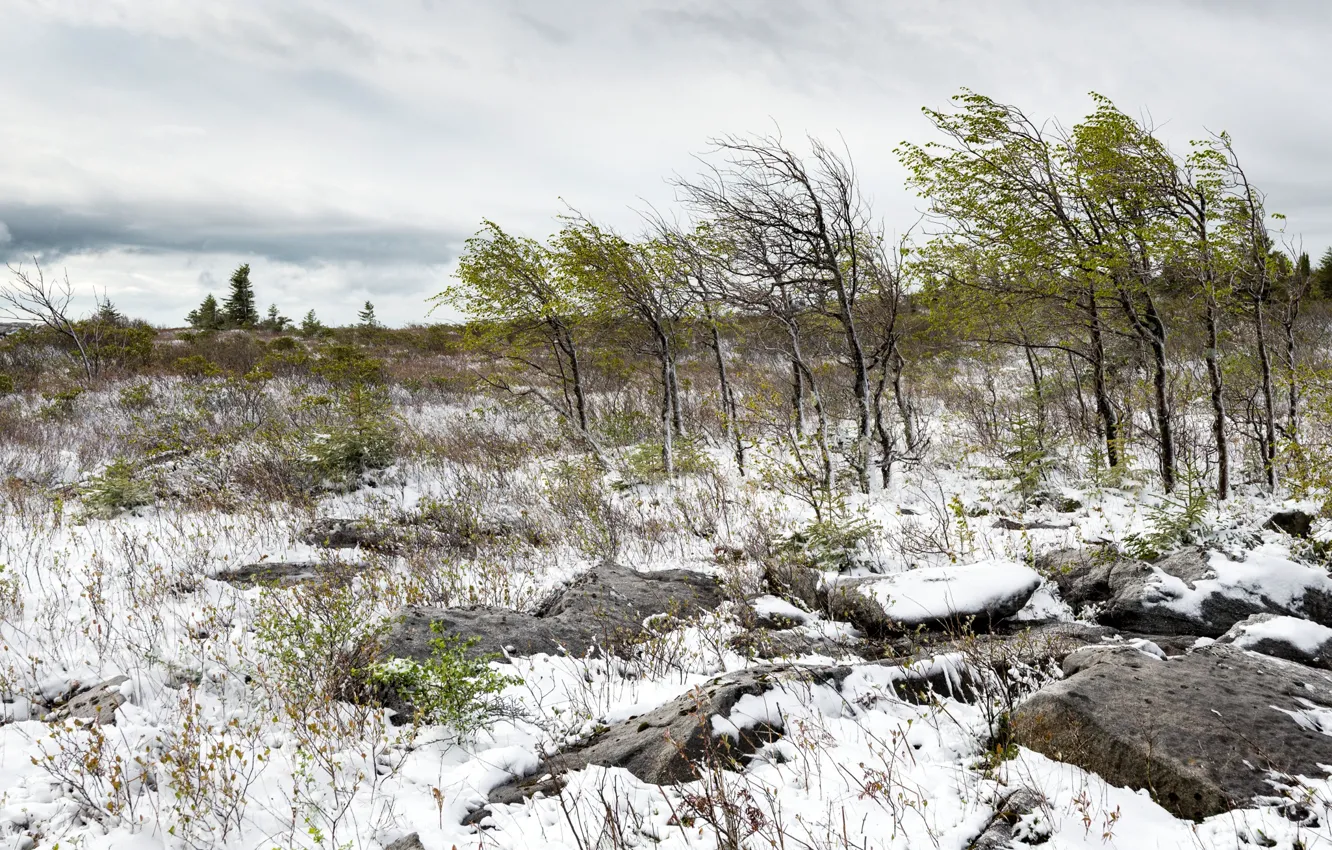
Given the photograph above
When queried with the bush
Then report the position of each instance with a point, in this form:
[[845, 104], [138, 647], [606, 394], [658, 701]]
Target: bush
[[137, 396], [118, 488], [452, 688], [835, 543], [643, 463], [60, 405], [320, 642]]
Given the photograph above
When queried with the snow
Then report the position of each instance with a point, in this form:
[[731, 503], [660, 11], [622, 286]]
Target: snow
[[774, 606], [856, 765], [937, 593], [1305, 635]]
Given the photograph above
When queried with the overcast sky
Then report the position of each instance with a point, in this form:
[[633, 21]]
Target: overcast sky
[[345, 149]]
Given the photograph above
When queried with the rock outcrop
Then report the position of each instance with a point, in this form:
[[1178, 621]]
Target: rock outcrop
[[1205, 732], [604, 608], [1193, 592]]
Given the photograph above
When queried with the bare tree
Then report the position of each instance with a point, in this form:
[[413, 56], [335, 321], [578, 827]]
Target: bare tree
[[32, 297], [819, 230]]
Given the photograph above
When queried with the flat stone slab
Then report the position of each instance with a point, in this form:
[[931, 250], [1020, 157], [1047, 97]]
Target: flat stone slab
[[1211, 730], [604, 608]]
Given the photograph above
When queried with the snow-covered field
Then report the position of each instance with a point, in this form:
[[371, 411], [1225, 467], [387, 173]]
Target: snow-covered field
[[202, 754]]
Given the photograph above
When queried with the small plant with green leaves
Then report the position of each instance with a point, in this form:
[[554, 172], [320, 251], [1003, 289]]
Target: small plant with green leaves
[[1027, 460], [137, 396], [835, 542], [60, 405], [454, 687], [117, 489], [1178, 520], [643, 463]]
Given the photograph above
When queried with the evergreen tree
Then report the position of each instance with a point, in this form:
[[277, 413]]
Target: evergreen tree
[[367, 316], [207, 316], [311, 326], [1322, 287], [239, 310], [274, 321], [108, 314]]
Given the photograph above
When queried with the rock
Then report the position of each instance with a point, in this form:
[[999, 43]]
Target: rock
[[97, 704], [979, 594], [1193, 592], [793, 582], [334, 533], [668, 744], [604, 608], [289, 573], [1008, 810], [1200, 732], [411, 841], [1295, 522], [1008, 524], [1302, 641]]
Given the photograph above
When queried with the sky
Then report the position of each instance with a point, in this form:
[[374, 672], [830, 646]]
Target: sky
[[346, 149]]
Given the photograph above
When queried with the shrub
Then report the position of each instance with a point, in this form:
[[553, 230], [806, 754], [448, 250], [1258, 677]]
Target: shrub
[[60, 405], [643, 463], [137, 396], [452, 688], [835, 543], [6, 384], [320, 642], [118, 488], [362, 435]]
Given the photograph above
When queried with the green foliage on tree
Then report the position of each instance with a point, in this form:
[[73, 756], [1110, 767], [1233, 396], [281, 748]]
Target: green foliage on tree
[[311, 326], [239, 310], [207, 316], [367, 317], [274, 321]]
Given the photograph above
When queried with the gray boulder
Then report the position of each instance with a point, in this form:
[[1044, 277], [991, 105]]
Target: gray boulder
[[96, 705], [1294, 639], [977, 595], [1151, 598], [668, 744], [1206, 732], [604, 608]]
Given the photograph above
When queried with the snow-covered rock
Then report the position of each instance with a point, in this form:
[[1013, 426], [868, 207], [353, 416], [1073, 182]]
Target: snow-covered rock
[[984, 593], [1193, 592], [1291, 638]]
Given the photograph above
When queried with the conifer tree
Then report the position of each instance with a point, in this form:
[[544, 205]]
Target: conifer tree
[[310, 325], [207, 316], [239, 310], [367, 316]]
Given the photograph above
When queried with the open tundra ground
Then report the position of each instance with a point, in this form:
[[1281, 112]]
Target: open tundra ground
[[195, 657]]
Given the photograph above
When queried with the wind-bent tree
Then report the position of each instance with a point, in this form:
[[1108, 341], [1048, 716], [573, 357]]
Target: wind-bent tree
[[637, 281], [1071, 220], [524, 308], [817, 228]]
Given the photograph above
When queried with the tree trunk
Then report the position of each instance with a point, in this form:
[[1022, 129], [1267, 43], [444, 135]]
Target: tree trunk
[[798, 396], [903, 406], [1104, 409], [1214, 377], [1269, 405], [729, 409], [667, 447]]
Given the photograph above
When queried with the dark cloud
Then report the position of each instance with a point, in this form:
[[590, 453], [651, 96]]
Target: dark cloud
[[57, 232]]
